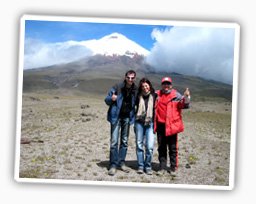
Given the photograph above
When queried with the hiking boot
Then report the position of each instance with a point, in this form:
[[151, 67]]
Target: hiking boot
[[149, 172], [140, 171], [172, 171], [124, 169], [160, 172], [112, 171]]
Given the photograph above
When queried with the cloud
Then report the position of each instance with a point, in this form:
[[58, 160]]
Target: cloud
[[39, 54], [204, 52]]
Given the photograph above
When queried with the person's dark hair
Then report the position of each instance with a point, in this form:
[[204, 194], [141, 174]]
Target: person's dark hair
[[130, 72], [145, 80]]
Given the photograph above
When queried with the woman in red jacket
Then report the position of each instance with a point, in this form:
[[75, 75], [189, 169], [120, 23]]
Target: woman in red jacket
[[168, 122]]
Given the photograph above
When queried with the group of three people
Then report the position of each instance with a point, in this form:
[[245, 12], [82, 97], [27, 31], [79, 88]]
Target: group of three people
[[151, 112]]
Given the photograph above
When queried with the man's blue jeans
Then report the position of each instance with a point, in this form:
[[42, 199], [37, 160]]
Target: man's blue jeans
[[118, 152], [144, 137]]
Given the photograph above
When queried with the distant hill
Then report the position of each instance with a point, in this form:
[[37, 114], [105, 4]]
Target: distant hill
[[98, 73]]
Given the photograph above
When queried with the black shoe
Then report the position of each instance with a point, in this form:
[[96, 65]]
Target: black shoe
[[160, 172], [172, 171]]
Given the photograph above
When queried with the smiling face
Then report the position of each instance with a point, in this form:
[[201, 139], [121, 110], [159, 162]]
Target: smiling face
[[145, 87], [166, 86], [130, 78]]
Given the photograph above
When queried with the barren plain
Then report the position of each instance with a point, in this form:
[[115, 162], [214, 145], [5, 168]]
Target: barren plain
[[66, 136]]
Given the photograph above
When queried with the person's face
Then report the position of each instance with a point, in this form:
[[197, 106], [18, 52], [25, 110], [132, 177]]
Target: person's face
[[145, 87], [130, 78], [166, 86]]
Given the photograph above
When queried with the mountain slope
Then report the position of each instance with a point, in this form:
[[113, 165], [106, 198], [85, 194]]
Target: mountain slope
[[97, 74]]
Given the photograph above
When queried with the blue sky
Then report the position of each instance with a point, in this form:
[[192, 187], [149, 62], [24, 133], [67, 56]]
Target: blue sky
[[60, 31], [198, 50]]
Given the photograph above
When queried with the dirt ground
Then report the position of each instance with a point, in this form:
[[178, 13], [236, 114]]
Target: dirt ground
[[67, 138]]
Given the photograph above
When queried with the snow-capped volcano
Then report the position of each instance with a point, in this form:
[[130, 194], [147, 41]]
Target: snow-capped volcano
[[115, 44], [39, 54]]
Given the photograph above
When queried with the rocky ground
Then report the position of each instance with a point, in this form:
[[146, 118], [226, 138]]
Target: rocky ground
[[67, 137]]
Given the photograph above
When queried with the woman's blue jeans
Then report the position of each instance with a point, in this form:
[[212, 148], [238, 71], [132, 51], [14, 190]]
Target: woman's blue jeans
[[144, 138], [118, 153]]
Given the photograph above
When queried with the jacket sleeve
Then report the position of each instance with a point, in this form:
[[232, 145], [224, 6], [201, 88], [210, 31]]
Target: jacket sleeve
[[183, 101], [108, 99]]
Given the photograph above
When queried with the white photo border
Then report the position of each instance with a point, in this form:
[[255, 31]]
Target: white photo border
[[129, 21]]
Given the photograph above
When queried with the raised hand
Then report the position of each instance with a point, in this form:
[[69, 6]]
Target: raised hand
[[187, 92], [114, 97]]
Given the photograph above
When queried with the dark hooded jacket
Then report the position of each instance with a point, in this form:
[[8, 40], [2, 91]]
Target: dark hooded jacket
[[123, 105]]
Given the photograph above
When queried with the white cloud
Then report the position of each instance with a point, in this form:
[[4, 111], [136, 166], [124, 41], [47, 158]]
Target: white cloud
[[39, 54], [205, 52]]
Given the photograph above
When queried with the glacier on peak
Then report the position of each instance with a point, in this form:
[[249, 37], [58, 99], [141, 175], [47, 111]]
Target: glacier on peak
[[115, 44]]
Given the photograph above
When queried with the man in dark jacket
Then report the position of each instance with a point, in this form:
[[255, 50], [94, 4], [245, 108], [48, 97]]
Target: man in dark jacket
[[121, 114]]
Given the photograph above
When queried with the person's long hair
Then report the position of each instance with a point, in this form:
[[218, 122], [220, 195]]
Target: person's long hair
[[145, 80]]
